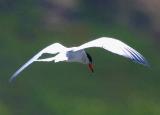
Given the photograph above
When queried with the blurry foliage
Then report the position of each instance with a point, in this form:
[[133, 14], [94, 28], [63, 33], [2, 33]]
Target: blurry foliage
[[118, 86], [100, 11]]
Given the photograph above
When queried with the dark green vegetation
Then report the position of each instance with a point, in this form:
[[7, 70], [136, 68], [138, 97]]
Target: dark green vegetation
[[117, 87]]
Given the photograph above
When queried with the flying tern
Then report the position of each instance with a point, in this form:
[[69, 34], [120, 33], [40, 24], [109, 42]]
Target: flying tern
[[78, 54]]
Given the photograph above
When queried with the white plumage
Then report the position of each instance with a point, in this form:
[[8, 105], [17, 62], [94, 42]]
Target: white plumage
[[77, 54]]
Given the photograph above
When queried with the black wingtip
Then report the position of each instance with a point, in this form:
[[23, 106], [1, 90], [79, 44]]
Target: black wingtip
[[138, 58], [146, 64], [143, 62]]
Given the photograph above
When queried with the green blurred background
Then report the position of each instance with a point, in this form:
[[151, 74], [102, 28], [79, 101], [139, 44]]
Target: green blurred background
[[118, 86]]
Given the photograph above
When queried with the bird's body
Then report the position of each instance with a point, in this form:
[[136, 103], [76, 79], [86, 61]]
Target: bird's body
[[68, 55], [78, 54]]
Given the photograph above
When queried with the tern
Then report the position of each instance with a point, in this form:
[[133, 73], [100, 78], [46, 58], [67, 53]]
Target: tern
[[78, 54]]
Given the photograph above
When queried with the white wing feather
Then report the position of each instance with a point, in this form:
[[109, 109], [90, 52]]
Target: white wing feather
[[115, 46], [52, 49]]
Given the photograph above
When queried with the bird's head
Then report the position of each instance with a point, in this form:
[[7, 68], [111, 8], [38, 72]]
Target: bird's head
[[90, 64]]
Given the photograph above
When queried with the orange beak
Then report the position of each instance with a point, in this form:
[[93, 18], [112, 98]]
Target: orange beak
[[91, 67]]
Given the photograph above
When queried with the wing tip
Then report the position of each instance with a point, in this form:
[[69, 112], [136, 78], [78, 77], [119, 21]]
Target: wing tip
[[137, 57], [145, 63], [12, 78], [142, 61]]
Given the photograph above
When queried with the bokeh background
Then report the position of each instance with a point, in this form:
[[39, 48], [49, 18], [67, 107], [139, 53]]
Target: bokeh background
[[118, 86]]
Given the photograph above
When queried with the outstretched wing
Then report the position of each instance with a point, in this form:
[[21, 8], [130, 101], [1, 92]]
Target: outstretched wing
[[52, 49], [117, 47]]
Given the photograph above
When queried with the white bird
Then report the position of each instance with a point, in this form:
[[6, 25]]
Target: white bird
[[78, 54]]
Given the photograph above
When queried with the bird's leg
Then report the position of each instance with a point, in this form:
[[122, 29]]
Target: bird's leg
[[47, 59]]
